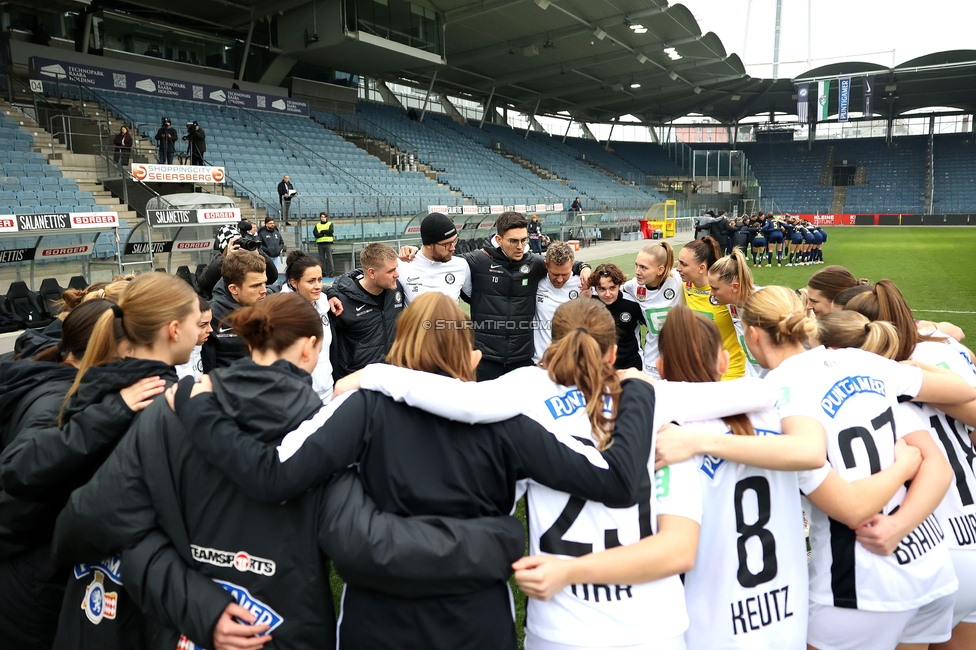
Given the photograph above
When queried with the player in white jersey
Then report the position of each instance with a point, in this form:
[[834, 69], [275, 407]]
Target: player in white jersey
[[434, 267], [635, 599], [749, 587], [957, 512], [656, 287], [558, 287], [860, 597], [303, 275], [194, 367], [731, 283]]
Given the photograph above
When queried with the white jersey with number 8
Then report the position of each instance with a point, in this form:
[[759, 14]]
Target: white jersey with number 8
[[748, 589]]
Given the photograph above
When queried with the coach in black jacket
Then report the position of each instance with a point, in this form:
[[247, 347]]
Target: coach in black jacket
[[372, 301], [504, 279]]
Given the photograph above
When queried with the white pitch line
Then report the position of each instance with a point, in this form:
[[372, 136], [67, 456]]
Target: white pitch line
[[943, 311]]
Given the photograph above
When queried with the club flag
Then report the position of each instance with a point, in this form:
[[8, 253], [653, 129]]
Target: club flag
[[803, 103], [843, 99], [823, 94], [868, 95]]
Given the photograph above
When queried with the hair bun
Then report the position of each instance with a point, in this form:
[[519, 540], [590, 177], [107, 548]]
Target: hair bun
[[252, 325]]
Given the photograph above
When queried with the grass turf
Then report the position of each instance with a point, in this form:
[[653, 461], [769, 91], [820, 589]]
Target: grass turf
[[927, 264]]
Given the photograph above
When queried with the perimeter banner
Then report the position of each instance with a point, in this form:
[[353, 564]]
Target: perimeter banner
[[179, 218], [148, 173], [141, 84], [59, 221]]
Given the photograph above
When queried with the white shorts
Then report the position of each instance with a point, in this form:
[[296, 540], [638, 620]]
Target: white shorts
[[964, 563], [532, 642], [838, 628]]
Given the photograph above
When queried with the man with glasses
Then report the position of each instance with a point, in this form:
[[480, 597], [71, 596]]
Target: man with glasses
[[504, 278], [434, 267]]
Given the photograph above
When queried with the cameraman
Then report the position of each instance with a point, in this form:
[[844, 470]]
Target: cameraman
[[230, 239], [166, 141], [197, 142]]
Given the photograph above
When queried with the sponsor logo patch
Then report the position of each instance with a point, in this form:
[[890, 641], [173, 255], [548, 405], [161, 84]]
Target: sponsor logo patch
[[574, 294], [241, 560], [625, 317], [669, 294], [847, 388], [98, 603], [524, 268], [449, 278]]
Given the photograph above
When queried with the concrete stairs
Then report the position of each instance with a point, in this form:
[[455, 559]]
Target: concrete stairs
[[827, 171], [541, 172], [839, 200], [81, 167]]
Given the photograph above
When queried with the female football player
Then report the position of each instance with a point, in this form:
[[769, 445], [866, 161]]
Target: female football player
[[656, 286], [694, 262]]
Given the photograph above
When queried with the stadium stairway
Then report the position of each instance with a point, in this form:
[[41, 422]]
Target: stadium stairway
[[386, 152], [81, 167], [541, 172]]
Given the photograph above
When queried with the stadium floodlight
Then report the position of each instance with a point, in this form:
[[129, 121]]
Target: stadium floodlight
[[599, 33], [642, 58], [673, 75], [543, 4], [672, 53], [636, 26], [635, 85], [698, 90], [642, 30]]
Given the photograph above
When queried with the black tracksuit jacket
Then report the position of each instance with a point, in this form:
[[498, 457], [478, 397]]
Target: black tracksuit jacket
[[45, 463], [416, 464], [503, 301], [223, 347], [31, 589], [267, 556], [365, 330]]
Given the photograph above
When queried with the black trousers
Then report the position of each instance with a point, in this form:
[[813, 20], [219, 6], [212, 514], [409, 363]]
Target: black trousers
[[325, 258], [488, 369]]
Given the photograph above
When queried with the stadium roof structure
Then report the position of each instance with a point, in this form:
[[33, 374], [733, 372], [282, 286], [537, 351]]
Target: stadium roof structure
[[595, 61]]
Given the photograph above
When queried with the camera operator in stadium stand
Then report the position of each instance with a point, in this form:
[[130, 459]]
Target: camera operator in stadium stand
[[231, 238], [166, 141], [244, 276], [271, 242], [286, 191], [196, 142], [372, 301]]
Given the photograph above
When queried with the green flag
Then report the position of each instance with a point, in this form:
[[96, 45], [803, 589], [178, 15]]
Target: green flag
[[823, 94]]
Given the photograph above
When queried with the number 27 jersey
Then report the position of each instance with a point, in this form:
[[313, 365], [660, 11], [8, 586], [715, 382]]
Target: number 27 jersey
[[855, 395]]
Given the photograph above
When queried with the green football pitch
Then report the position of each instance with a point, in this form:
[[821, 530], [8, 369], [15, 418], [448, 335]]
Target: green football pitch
[[927, 264]]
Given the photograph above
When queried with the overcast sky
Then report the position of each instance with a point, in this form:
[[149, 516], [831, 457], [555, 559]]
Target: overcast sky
[[841, 30]]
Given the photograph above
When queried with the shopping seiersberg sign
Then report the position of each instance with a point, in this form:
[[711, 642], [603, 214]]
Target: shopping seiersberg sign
[[177, 173]]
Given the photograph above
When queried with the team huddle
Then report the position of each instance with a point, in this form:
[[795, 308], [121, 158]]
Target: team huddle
[[789, 238], [670, 434]]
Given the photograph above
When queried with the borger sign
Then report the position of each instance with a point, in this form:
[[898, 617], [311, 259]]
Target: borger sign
[[177, 173]]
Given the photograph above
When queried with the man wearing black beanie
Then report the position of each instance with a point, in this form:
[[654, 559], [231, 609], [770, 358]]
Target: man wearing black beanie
[[435, 268]]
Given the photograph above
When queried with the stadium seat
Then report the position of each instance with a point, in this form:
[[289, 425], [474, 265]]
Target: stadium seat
[[25, 304], [49, 294], [78, 282], [183, 272]]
